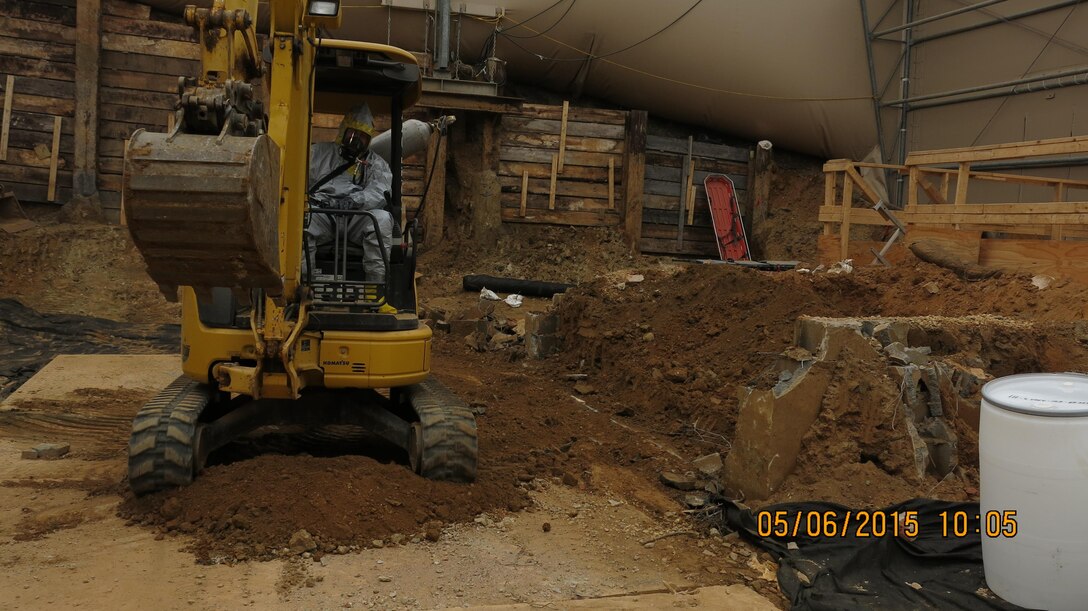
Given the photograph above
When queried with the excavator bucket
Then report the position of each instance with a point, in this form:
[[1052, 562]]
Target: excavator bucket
[[203, 210]]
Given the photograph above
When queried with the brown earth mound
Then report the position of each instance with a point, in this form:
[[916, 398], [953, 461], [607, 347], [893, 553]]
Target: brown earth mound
[[673, 352], [251, 509], [86, 269]]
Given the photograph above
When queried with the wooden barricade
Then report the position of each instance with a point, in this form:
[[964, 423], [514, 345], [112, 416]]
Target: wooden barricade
[[562, 165], [1038, 237]]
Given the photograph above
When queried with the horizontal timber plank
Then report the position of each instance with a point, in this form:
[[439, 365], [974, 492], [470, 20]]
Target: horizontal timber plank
[[675, 160], [125, 43], [42, 87], [35, 140], [1050, 208], [150, 29], [143, 81], [515, 123], [38, 68], [691, 232], [574, 113], [135, 62], [1010, 150], [40, 11], [542, 186], [551, 141], [37, 158], [673, 175], [671, 202], [665, 217], [544, 170], [27, 29], [161, 101], [41, 103], [38, 192], [38, 122], [693, 248], [562, 203], [864, 216], [133, 114], [125, 8], [562, 217], [698, 149], [36, 49], [537, 155], [31, 175], [1051, 257]]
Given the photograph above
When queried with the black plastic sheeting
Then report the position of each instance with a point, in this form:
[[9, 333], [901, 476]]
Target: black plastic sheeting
[[844, 572], [30, 339], [528, 288]]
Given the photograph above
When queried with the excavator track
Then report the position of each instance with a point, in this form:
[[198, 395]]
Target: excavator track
[[162, 450], [444, 444]]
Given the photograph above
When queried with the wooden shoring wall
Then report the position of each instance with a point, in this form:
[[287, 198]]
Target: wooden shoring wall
[[37, 47], [581, 144], [141, 57], [668, 182], [1049, 237]]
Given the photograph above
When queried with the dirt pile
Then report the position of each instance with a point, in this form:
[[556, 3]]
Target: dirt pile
[[549, 253], [253, 508], [790, 231], [672, 353], [86, 269]]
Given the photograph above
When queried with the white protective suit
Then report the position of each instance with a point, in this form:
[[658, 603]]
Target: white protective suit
[[362, 186]]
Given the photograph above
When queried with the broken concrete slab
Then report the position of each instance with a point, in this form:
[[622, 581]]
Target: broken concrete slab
[[680, 482], [709, 465], [541, 323], [47, 451]]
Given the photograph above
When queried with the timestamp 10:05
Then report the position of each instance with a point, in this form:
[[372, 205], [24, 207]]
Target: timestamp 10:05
[[878, 523], [992, 523]]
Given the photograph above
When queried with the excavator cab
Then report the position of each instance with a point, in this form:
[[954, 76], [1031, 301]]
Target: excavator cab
[[218, 207]]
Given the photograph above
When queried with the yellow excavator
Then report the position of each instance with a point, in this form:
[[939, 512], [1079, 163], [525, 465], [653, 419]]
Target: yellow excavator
[[218, 206]]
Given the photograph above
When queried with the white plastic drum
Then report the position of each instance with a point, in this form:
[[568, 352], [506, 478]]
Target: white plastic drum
[[1033, 455]]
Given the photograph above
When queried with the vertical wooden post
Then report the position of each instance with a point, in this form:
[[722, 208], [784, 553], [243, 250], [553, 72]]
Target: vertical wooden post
[[524, 191], [434, 213], [962, 178], [123, 219], [761, 169], [1059, 192], [611, 184], [85, 127], [9, 92], [54, 160], [946, 178], [682, 208], [760, 181], [847, 204], [634, 176], [691, 193], [829, 195], [551, 189], [563, 135], [912, 187]]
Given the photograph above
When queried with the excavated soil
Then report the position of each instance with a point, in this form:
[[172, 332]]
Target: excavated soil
[[672, 353], [86, 269], [658, 363]]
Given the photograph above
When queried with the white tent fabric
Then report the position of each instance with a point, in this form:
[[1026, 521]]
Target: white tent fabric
[[791, 71]]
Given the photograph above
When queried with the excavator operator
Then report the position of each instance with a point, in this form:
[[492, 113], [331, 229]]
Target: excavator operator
[[347, 175]]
